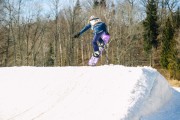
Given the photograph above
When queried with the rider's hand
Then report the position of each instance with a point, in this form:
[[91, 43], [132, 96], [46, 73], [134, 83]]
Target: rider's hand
[[76, 35]]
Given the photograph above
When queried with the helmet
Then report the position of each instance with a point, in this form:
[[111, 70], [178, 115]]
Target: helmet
[[92, 17], [94, 20]]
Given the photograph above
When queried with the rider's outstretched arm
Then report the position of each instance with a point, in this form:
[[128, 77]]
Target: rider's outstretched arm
[[85, 29]]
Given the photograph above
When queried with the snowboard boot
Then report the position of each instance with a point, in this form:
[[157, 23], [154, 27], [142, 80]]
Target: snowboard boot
[[96, 54]]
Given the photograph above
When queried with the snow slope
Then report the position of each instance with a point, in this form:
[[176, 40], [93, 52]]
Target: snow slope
[[109, 92]]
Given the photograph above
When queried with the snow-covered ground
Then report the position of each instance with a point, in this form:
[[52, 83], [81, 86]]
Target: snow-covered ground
[[109, 92]]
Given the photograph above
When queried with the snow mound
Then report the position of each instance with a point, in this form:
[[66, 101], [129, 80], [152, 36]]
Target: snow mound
[[151, 92], [109, 92]]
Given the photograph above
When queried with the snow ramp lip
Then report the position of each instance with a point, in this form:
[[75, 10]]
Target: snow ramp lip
[[150, 93]]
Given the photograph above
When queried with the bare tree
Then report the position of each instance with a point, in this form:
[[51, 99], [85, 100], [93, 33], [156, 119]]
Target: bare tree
[[19, 31], [10, 21], [56, 34]]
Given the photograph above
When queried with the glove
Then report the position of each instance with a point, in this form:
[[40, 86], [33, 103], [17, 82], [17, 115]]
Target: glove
[[107, 33], [76, 35]]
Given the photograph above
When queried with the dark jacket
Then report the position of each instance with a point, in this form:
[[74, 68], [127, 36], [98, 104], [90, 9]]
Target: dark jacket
[[97, 28]]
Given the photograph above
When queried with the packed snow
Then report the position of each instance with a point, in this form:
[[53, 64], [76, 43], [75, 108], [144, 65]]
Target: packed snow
[[109, 92]]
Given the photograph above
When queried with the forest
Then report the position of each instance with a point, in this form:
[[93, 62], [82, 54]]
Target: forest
[[143, 33]]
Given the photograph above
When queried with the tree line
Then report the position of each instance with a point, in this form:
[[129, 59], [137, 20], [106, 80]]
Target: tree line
[[143, 32]]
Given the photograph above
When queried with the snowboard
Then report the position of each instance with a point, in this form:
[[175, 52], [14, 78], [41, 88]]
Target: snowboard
[[94, 60]]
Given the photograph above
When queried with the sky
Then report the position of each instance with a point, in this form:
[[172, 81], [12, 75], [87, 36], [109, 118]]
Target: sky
[[63, 3], [46, 6]]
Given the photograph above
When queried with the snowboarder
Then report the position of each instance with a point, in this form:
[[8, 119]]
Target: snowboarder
[[101, 34]]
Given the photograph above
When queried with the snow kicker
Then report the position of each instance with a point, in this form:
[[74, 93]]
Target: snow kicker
[[110, 92]]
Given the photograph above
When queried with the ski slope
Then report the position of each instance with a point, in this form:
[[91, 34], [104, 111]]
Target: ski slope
[[109, 92]]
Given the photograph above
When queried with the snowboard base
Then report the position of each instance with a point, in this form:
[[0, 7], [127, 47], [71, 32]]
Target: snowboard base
[[93, 61]]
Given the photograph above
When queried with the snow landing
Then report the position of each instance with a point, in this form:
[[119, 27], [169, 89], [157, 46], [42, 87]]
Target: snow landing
[[86, 93]]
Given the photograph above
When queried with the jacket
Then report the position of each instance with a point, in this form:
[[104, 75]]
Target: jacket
[[97, 28]]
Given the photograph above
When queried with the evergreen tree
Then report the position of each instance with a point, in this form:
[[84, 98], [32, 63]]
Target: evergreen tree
[[113, 8], [50, 56], [177, 18], [95, 4], [172, 52], [169, 52], [166, 39], [150, 26], [102, 3], [77, 7]]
